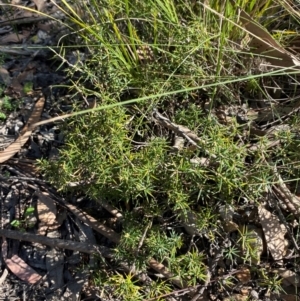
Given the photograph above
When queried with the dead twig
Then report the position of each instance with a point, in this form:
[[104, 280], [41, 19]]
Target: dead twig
[[270, 144], [143, 238], [115, 212], [161, 269], [53, 242], [25, 20], [182, 131]]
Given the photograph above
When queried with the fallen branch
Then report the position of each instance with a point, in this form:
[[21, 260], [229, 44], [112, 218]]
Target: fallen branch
[[54, 242]]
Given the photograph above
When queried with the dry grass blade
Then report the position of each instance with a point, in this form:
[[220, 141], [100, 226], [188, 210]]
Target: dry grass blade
[[40, 4], [263, 43]]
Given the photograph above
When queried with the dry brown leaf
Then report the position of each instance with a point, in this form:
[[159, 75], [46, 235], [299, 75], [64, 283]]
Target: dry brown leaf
[[40, 4], [274, 233], [243, 275], [13, 37], [230, 226], [46, 209], [5, 76], [15, 88], [15, 147], [22, 270], [264, 43], [289, 297], [290, 277]]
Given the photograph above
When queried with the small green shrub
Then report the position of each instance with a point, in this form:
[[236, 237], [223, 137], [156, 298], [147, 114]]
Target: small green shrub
[[122, 155], [6, 106]]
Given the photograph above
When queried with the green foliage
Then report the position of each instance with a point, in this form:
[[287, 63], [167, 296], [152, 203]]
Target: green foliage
[[270, 281], [2, 116], [100, 148], [25, 222], [6, 106], [120, 154], [126, 287], [28, 86], [248, 243], [189, 267]]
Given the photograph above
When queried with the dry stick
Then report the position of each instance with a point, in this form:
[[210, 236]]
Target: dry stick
[[90, 221], [24, 20], [182, 131], [270, 144], [161, 269], [115, 212], [25, 51], [143, 238], [192, 288], [14, 171], [296, 107], [105, 231], [174, 292], [2, 178], [94, 224], [53, 242]]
